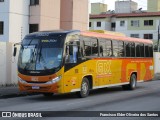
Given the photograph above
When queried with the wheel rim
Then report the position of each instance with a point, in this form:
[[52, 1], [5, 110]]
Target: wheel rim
[[84, 88]]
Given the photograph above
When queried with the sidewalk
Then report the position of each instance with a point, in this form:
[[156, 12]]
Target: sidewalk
[[11, 91]]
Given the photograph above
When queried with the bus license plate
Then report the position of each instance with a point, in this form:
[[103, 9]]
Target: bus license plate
[[35, 87]]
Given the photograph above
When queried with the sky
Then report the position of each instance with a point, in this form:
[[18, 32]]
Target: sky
[[111, 3]]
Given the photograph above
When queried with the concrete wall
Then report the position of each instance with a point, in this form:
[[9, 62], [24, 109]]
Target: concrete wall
[[156, 65], [8, 64]]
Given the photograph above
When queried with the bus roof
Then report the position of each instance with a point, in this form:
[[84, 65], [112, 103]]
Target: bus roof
[[53, 32], [115, 37]]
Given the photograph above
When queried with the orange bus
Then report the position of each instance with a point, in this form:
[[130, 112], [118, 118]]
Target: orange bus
[[73, 61]]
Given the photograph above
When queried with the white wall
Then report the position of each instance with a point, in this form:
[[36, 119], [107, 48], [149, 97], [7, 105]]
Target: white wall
[[103, 25], [2, 63], [8, 64], [156, 64], [15, 14], [4, 9], [121, 28], [18, 20]]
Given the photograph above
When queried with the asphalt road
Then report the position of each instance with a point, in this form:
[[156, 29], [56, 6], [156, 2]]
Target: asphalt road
[[146, 97]]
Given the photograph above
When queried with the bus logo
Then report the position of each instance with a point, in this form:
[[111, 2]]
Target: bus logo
[[104, 67]]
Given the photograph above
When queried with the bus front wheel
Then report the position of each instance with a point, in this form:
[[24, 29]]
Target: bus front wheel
[[132, 84], [84, 91]]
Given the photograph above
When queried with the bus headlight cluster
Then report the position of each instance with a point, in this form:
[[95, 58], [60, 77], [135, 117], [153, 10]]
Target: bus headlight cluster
[[21, 81], [54, 80]]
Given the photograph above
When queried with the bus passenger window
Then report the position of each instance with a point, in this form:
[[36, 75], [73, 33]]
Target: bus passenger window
[[150, 51], [146, 51], [115, 48], [132, 49], [138, 50], [121, 49], [90, 46], [142, 50], [105, 48], [128, 49]]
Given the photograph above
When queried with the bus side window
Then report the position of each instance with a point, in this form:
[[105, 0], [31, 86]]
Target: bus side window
[[150, 50], [105, 48], [138, 50], [90, 46], [147, 51], [121, 49], [128, 49], [115, 48]]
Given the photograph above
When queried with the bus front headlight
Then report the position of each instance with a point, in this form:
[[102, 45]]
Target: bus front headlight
[[54, 80], [21, 81]]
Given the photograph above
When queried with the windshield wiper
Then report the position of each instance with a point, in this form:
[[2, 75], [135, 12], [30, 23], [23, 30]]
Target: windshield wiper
[[41, 57], [31, 59]]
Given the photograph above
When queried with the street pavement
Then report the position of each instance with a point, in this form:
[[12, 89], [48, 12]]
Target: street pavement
[[145, 98], [11, 91]]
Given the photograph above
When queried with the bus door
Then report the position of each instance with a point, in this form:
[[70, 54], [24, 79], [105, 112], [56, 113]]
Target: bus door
[[71, 65]]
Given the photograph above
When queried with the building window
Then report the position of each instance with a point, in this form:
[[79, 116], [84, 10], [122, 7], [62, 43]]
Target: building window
[[98, 24], [90, 24], [1, 0], [34, 2], [148, 22], [148, 36], [33, 28], [1, 28], [135, 23], [134, 35], [122, 23], [113, 26]]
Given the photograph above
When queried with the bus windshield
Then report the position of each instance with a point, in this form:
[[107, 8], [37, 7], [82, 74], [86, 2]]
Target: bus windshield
[[40, 54]]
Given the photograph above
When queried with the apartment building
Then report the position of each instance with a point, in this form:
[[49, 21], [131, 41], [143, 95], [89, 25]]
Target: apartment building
[[138, 23], [20, 17], [17, 20]]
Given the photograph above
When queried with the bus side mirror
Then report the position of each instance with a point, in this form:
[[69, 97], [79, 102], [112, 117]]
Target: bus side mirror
[[15, 51]]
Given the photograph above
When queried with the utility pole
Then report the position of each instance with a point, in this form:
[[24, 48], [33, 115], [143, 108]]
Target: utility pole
[[158, 38]]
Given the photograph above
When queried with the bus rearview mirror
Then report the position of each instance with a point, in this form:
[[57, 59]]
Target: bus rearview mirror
[[15, 51]]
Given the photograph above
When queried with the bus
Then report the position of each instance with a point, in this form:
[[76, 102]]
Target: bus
[[54, 62]]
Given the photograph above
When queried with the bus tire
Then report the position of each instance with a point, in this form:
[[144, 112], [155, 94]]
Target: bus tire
[[48, 94], [85, 86], [132, 84]]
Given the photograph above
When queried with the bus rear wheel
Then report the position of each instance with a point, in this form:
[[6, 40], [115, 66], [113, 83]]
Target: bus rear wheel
[[132, 84], [85, 86]]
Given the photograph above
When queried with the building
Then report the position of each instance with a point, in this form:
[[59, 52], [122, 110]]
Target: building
[[153, 5], [98, 8], [13, 20], [138, 23], [74, 14], [17, 20], [125, 6], [42, 16]]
